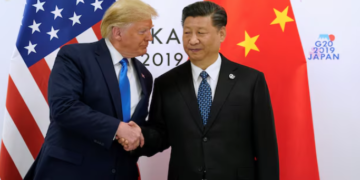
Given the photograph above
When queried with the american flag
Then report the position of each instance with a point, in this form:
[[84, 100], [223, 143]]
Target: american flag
[[47, 25]]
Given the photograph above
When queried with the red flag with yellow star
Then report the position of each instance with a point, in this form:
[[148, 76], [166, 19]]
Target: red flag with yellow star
[[263, 34]]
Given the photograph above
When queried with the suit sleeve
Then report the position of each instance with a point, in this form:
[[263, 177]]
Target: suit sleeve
[[266, 149], [155, 131], [66, 108]]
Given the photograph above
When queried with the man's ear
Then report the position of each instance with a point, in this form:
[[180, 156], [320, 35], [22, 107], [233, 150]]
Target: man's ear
[[116, 33], [222, 33]]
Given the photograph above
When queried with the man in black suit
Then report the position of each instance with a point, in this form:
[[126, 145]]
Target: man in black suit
[[215, 114]]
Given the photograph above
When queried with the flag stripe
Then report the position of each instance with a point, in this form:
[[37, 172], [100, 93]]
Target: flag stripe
[[97, 30], [30, 93], [50, 59], [8, 170], [87, 36], [41, 72], [72, 41], [16, 146], [23, 119]]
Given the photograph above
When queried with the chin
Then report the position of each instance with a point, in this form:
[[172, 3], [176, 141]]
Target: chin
[[195, 57], [142, 52]]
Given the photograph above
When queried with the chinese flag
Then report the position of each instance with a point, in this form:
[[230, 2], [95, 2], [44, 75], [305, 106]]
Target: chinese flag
[[263, 34]]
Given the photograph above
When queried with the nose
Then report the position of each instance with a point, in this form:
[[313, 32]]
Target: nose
[[193, 39], [149, 36]]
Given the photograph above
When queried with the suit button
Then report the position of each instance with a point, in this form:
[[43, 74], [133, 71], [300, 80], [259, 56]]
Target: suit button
[[205, 139], [113, 171], [200, 169]]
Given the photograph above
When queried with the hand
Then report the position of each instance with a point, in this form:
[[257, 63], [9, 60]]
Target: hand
[[124, 142], [131, 133], [142, 139]]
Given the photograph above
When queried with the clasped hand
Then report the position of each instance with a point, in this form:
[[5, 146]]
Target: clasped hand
[[129, 135]]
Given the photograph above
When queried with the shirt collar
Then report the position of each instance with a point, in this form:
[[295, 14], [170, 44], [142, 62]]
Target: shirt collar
[[115, 55], [213, 70]]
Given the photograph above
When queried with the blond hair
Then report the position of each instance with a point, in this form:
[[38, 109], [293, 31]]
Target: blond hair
[[124, 12]]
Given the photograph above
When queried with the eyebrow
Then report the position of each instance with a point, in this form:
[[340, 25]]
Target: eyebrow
[[151, 26], [145, 28], [196, 27]]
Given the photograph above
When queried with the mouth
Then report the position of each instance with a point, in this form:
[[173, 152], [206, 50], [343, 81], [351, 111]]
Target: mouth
[[143, 47], [193, 50]]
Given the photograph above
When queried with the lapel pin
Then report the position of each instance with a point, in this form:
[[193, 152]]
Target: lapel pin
[[231, 76], [143, 75]]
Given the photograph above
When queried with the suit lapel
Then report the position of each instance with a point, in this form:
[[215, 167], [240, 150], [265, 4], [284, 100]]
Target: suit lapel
[[106, 64], [138, 68], [186, 86], [145, 91], [223, 88]]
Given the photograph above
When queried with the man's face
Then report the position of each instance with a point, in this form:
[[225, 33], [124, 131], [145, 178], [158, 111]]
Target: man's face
[[201, 40], [135, 38]]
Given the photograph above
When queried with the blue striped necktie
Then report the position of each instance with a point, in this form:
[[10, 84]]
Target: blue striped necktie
[[124, 85]]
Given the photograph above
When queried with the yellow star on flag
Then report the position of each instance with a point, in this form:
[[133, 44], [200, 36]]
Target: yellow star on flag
[[249, 43], [282, 18]]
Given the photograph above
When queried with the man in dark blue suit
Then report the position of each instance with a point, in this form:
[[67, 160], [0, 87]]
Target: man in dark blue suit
[[95, 89]]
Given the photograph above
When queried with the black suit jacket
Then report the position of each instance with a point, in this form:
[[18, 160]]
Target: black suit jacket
[[85, 112], [239, 140]]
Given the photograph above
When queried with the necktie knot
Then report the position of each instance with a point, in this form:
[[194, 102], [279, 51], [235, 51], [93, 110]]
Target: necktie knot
[[204, 75], [124, 62]]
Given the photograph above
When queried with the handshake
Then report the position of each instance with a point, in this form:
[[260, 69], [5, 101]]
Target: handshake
[[129, 135]]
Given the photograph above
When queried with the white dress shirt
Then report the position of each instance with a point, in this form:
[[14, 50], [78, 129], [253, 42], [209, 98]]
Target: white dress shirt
[[213, 71], [135, 87]]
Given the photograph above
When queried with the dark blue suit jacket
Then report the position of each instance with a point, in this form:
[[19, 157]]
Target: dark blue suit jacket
[[85, 111]]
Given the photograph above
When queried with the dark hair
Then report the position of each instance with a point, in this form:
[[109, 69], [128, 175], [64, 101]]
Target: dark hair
[[206, 8]]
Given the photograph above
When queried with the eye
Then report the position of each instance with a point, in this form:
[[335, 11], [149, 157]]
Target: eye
[[186, 32], [142, 31]]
